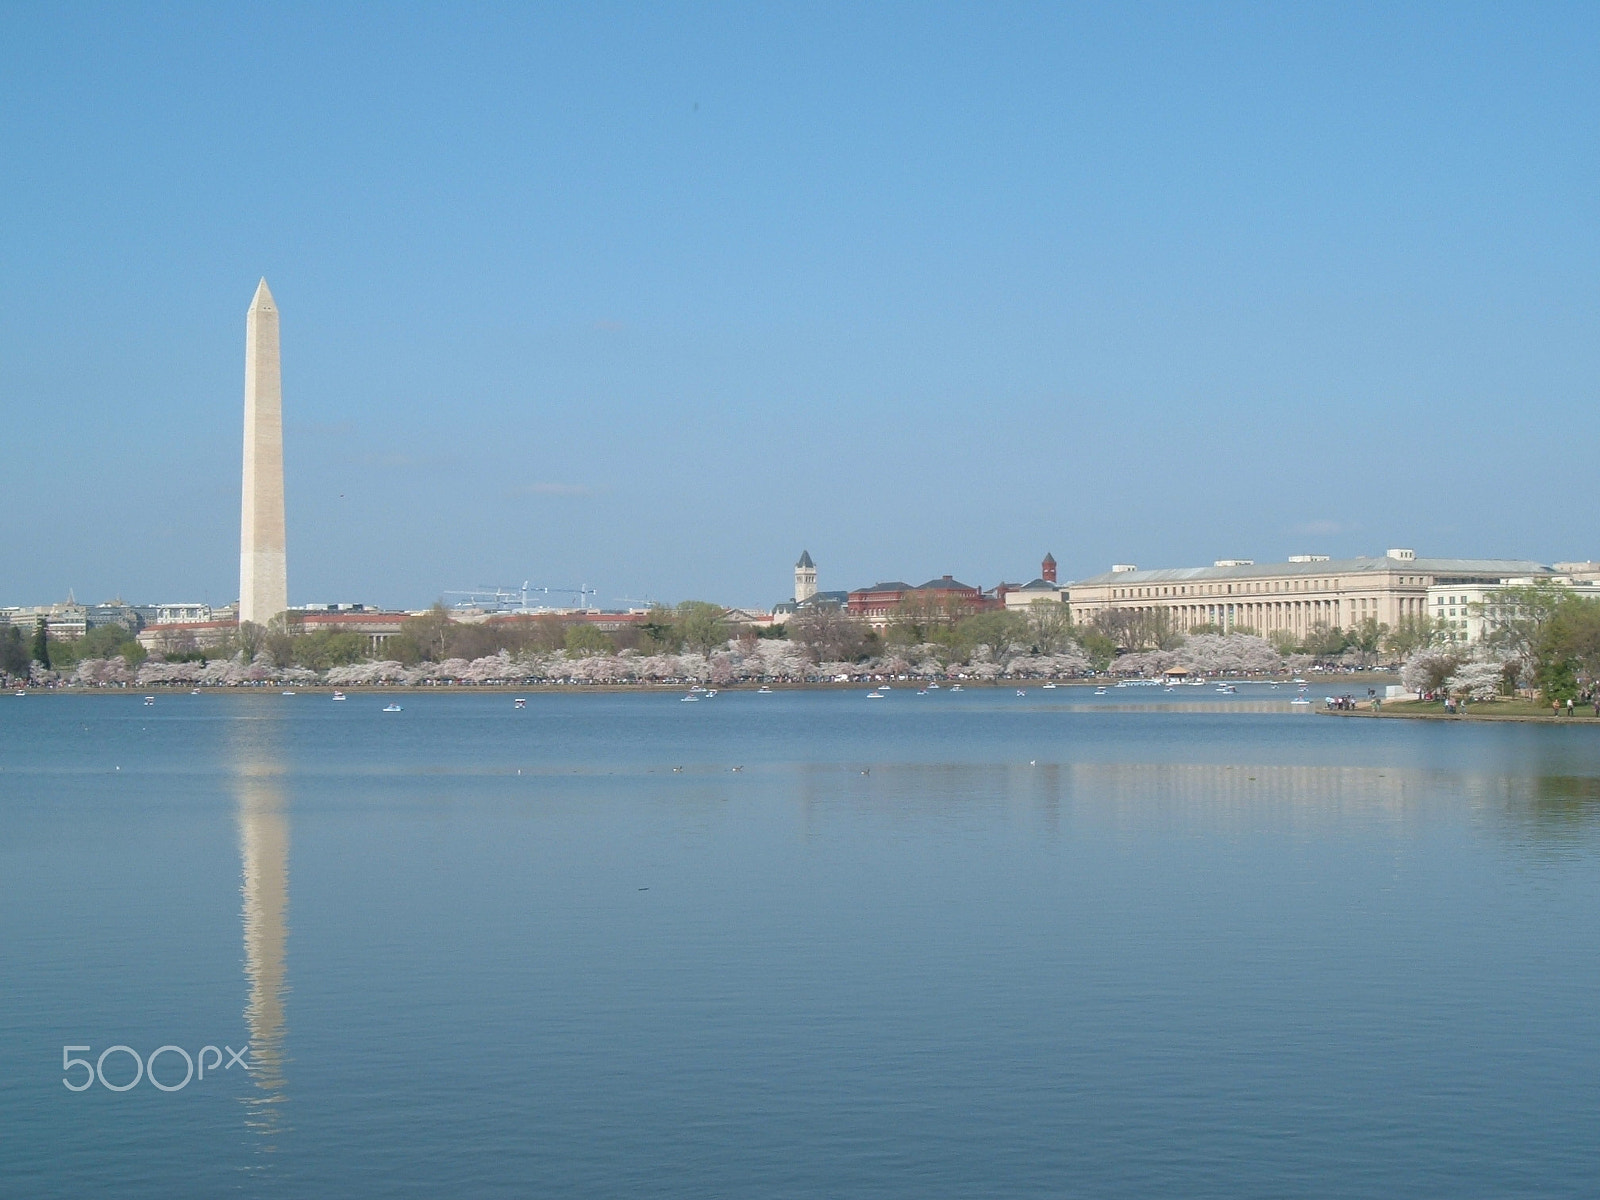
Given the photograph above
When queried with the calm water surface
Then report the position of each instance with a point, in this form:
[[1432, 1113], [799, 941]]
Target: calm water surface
[[943, 945]]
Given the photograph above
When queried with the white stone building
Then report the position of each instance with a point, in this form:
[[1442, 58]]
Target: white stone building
[[1294, 596]]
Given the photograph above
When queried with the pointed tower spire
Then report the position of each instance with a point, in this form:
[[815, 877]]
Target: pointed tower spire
[[263, 567], [805, 578]]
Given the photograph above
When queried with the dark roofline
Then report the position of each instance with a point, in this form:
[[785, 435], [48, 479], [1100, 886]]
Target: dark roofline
[[893, 585]]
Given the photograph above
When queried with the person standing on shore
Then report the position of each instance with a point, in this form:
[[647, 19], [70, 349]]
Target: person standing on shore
[[1569, 706]]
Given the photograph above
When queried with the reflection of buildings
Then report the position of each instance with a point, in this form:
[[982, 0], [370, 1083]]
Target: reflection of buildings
[[1195, 797], [264, 853]]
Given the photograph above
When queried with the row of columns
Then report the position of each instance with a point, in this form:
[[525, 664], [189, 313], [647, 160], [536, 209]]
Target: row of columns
[[1264, 616]]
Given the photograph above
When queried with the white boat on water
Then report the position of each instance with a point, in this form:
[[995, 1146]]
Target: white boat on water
[[874, 695], [1100, 691], [391, 707], [1020, 692], [149, 699], [933, 687], [711, 693], [288, 693], [194, 691], [1300, 700], [763, 691], [338, 695], [519, 702], [1049, 687], [956, 687], [689, 699], [1227, 689]]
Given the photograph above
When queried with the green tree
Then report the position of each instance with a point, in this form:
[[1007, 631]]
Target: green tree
[[1098, 647], [1414, 633], [701, 625], [1366, 637], [1556, 678], [328, 648], [1049, 626], [279, 643], [583, 640], [998, 630], [659, 631], [41, 644], [13, 653], [925, 616], [248, 638], [104, 641], [1515, 617], [425, 638], [1567, 650], [1324, 641]]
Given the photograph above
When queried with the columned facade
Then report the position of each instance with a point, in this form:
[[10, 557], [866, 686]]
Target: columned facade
[[1292, 597]]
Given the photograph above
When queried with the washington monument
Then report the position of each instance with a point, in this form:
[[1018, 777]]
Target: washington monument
[[263, 566]]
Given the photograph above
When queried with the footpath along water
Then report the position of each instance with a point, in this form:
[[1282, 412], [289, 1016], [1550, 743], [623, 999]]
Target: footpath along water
[[794, 944]]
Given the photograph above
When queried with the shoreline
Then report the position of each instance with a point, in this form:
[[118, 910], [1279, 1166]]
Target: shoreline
[[537, 688], [1577, 718]]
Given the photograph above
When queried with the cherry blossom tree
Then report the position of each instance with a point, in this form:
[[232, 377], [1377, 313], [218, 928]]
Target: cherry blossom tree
[[1426, 669]]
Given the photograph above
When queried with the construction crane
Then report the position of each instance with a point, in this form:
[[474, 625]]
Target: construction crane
[[506, 599]]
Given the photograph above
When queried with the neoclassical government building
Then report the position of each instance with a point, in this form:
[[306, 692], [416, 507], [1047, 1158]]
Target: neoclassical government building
[[1293, 596]]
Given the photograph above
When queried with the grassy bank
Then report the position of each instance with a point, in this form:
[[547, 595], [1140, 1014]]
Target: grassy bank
[[1514, 709]]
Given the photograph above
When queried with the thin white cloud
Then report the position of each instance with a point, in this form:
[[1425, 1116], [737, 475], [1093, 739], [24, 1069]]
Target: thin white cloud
[[1323, 528]]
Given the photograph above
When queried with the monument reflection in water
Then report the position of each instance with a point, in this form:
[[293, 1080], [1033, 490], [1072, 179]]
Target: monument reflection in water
[[264, 854]]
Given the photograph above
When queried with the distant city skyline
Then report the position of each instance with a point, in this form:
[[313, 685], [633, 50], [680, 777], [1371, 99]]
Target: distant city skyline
[[649, 301]]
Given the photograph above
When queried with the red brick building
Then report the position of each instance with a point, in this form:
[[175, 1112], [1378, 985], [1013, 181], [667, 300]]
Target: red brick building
[[879, 601]]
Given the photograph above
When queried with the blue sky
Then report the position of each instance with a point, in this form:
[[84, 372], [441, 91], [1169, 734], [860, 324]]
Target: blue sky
[[652, 298]]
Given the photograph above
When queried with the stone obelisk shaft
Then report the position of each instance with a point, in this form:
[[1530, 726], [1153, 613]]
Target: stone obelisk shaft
[[263, 565]]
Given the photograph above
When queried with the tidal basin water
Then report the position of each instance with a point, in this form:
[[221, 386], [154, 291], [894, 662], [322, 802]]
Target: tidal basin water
[[947, 945]]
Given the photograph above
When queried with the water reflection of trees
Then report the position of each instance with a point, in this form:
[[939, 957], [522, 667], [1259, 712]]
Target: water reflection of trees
[[1197, 797], [1556, 806]]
